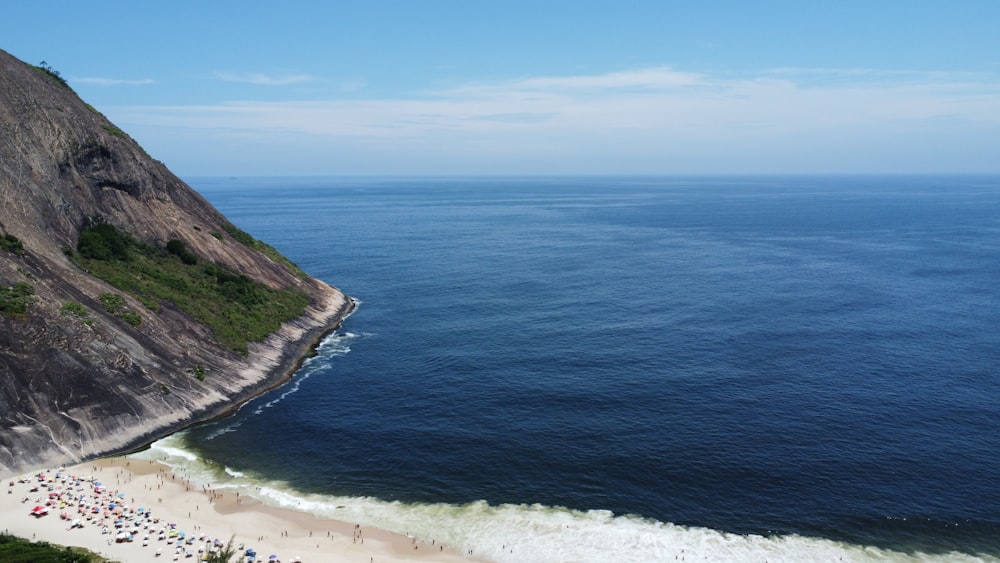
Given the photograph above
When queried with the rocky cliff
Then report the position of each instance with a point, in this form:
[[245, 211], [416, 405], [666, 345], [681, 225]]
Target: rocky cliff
[[76, 380]]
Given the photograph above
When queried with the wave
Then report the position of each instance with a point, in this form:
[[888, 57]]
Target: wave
[[525, 533], [335, 344]]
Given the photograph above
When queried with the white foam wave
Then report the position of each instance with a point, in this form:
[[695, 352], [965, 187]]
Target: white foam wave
[[169, 449], [335, 344], [536, 533], [225, 429]]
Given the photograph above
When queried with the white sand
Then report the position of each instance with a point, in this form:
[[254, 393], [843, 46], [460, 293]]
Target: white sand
[[192, 508]]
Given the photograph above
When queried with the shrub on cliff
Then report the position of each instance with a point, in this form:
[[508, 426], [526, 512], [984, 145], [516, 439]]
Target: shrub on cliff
[[238, 309], [102, 241], [14, 300], [10, 243]]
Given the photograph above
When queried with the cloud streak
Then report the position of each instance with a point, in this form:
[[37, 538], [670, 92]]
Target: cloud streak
[[261, 79], [651, 111], [99, 81], [647, 99]]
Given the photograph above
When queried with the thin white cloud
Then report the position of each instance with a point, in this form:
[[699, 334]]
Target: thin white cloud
[[99, 81], [645, 79], [651, 111], [262, 79]]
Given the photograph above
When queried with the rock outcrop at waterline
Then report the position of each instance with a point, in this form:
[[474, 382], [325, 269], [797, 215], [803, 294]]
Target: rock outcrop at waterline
[[76, 380]]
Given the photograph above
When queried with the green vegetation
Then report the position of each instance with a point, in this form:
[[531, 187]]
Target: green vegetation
[[74, 309], [52, 73], [112, 302], [199, 373], [245, 239], [236, 308], [14, 300], [115, 131], [117, 306], [16, 550], [104, 242], [227, 554], [177, 248], [132, 318], [10, 243]]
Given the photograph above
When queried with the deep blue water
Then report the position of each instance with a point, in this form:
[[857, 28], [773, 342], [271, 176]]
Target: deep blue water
[[788, 357]]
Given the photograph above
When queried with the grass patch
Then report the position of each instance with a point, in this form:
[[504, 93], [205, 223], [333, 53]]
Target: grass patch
[[236, 308], [247, 240], [17, 550], [14, 300], [74, 309], [117, 306], [53, 74], [115, 131]]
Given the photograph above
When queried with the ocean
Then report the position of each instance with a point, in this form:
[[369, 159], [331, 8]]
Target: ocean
[[599, 369]]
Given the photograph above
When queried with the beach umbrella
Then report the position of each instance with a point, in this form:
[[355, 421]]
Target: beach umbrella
[[272, 557], [251, 552]]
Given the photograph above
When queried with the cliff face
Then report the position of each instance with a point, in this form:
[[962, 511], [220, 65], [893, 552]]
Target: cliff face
[[73, 387]]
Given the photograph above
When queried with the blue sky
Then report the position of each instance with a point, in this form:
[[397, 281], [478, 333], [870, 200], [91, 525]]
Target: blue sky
[[542, 87]]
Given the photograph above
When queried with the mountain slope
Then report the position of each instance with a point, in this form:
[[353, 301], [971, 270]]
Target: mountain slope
[[77, 377]]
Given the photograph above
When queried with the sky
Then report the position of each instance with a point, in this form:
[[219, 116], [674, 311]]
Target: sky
[[515, 87]]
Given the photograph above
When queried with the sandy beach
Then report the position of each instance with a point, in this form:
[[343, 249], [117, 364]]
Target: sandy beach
[[98, 505]]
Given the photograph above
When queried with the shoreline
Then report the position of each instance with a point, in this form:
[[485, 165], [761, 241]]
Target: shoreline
[[288, 365], [285, 532], [286, 375], [194, 508]]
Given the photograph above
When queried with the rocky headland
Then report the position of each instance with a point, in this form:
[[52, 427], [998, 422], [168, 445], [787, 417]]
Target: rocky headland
[[89, 367]]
